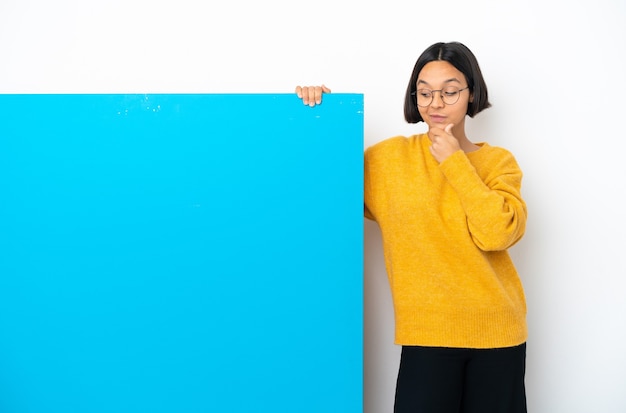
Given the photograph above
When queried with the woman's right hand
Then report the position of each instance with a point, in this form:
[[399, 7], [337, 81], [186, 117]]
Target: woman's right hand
[[311, 95]]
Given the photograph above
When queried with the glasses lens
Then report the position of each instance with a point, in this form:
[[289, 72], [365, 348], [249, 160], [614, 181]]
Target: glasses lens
[[424, 97], [450, 95]]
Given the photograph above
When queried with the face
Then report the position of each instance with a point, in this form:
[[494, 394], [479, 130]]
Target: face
[[438, 75]]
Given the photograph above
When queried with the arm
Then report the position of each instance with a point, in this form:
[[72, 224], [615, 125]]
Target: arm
[[490, 193]]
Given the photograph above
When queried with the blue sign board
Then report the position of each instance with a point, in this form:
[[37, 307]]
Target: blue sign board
[[180, 253]]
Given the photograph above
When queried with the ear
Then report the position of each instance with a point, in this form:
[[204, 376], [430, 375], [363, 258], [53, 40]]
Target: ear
[[471, 98]]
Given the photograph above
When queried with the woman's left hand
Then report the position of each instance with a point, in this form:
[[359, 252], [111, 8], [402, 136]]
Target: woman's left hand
[[311, 95], [443, 141]]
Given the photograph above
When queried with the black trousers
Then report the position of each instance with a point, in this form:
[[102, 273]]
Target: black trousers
[[453, 380]]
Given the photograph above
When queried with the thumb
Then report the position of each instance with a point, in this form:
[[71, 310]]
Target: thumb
[[448, 128]]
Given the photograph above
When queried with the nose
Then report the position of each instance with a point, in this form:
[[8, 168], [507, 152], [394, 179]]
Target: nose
[[437, 99]]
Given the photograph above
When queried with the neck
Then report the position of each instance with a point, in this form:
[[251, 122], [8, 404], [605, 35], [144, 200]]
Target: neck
[[467, 145], [464, 142]]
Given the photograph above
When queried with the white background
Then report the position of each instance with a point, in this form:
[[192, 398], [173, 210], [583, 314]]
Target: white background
[[555, 71]]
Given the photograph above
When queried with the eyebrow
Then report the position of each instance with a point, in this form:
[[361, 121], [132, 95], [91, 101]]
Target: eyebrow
[[453, 79]]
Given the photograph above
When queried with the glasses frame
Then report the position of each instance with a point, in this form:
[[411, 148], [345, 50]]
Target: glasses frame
[[432, 96]]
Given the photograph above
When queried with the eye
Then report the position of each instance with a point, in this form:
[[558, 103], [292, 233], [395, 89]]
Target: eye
[[451, 92], [425, 93]]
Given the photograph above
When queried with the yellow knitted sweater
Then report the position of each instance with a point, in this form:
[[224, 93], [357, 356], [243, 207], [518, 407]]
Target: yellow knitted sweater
[[446, 229]]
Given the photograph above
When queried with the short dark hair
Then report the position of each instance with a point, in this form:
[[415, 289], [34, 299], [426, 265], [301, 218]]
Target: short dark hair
[[462, 58]]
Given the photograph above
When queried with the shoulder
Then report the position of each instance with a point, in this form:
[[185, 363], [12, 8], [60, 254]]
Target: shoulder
[[493, 156], [494, 152], [492, 149], [394, 145]]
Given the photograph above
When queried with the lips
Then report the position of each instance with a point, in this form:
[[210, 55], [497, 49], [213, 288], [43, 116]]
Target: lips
[[437, 118]]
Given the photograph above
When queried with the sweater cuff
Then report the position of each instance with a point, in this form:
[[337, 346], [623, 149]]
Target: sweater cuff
[[458, 161]]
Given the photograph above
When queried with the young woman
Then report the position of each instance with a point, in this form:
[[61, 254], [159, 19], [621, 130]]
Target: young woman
[[448, 210]]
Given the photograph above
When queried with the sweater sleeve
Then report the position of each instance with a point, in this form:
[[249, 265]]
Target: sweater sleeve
[[367, 192], [490, 192]]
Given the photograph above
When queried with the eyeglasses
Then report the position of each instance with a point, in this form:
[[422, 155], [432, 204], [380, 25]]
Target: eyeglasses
[[449, 95]]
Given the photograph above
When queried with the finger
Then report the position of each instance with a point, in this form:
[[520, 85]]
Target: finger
[[434, 134], [312, 96], [448, 128], [299, 91], [325, 89], [318, 94], [307, 95]]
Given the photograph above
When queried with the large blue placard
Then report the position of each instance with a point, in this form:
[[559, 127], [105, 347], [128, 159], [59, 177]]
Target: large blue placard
[[180, 253]]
